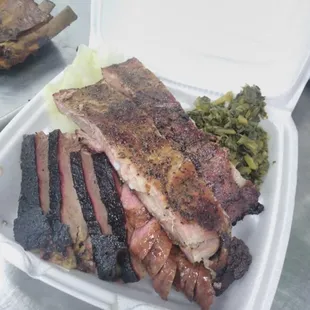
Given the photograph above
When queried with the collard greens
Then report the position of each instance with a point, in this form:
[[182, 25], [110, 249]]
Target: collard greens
[[235, 123]]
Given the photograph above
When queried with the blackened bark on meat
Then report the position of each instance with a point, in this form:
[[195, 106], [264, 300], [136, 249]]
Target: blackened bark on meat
[[109, 195], [238, 263], [253, 210], [116, 217], [61, 235], [31, 228], [55, 190], [29, 194], [109, 252], [128, 274], [137, 82]]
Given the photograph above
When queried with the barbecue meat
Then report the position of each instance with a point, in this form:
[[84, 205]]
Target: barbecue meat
[[162, 282], [229, 264], [28, 42], [238, 262], [106, 248], [158, 254], [31, 228], [94, 193], [61, 234], [116, 217], [211, 161], [34, 229], [71, 212], [110, 251], [165, 181], [143, 238], [41, 142]]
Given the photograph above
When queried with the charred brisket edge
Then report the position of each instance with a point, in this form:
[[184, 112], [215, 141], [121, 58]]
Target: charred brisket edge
[[29, 193], [253, 210], [116, 215], [61, 235], [109, 195], [107, 250], [31, 228]]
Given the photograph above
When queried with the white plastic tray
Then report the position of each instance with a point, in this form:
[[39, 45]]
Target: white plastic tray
[[266, 235]]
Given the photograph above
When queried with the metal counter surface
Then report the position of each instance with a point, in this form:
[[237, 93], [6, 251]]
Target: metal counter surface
[[20, 292]]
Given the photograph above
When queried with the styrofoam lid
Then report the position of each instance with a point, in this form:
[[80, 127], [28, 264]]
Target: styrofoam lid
[[214, 45]]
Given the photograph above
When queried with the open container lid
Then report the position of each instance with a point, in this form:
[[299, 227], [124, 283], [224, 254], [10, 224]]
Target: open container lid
[[215, 46]]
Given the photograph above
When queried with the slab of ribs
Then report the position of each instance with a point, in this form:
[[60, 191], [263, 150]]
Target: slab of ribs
[[137, 191]]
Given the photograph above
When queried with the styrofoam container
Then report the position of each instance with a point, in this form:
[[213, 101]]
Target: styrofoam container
[[183, 55]]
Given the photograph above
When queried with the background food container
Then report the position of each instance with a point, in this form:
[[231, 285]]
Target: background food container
[[191, 49]]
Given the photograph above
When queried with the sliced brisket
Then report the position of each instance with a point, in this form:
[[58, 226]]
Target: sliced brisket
[[106, 248], [211, 161], [109, 252], [61, 235], [116, 217], [41, 140], [71, 212], [94, 193], [31, 228], [109, 195]]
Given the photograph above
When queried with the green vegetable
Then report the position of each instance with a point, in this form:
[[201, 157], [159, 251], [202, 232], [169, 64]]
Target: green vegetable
[[235, 123]]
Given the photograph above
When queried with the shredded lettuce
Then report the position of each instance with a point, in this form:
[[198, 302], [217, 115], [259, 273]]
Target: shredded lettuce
[[85, 70]]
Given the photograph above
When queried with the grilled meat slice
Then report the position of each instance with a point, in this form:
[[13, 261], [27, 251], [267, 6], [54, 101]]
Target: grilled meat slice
[[165, 181], [187, 275], [158, 254], [204, 292], [106, 248], [109, 195], [71, 212], [163, 281], [238, 262], [67, 260], [109, 252], [143, 238], [135, 81], [94, 193], [31, 228], [166, 263], [61, 234], [116, 217], [136, 214], [41, 141], [229, 264]]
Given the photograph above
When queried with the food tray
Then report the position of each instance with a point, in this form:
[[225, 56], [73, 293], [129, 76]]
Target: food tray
[[266, 235]]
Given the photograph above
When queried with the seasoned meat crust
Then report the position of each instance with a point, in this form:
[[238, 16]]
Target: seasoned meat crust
[[166, 182]]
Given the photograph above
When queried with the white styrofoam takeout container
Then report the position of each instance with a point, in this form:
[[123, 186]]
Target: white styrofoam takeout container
[[251, 49]]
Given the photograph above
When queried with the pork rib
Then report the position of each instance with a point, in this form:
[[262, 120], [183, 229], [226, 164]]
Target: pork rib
[[211, 161], [166, 182]]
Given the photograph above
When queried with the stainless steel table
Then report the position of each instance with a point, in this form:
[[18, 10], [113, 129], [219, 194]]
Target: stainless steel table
[[19, 292]]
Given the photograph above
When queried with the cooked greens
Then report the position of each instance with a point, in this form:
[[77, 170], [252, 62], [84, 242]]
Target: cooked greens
[[235, 122]]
